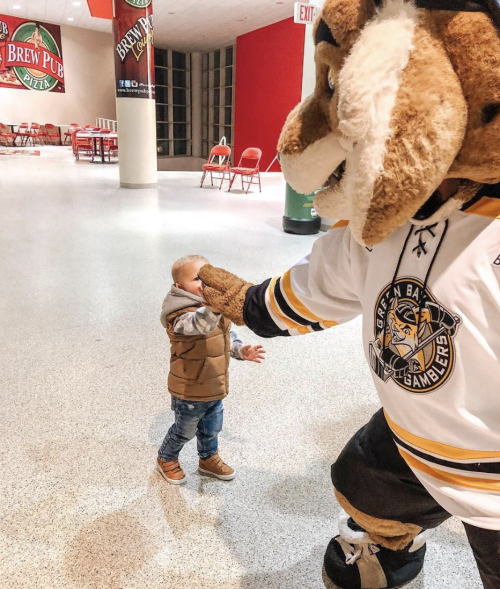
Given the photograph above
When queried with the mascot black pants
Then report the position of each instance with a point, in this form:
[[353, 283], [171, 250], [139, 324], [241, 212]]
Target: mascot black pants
[[375, 479]]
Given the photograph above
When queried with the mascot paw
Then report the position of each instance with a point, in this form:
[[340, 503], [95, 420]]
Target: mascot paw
[[225, 291]]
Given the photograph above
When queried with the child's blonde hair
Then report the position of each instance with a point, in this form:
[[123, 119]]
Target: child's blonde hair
[[177, 266]]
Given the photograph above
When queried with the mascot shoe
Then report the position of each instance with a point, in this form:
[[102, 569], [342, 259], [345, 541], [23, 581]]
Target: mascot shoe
[[354, 561]]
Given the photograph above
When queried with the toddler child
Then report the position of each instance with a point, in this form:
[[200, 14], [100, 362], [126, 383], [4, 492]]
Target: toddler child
[[201, 345]]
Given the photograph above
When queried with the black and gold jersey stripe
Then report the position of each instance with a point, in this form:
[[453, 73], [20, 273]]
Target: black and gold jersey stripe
[[469, 469], [256, 315]]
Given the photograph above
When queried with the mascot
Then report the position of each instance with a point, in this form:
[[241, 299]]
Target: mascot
[[403, 134]]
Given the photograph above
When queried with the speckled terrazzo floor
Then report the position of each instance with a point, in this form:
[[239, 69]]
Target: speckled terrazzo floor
[[84, 269]]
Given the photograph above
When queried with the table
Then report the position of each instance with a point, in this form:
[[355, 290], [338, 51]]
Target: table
[[95, 136], [59, 126]]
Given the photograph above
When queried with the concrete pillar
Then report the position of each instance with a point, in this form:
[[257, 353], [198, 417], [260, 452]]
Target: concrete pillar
[[197, 103], [135, 94]]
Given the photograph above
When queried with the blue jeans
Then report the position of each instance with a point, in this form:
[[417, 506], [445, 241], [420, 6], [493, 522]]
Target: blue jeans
[[193, 418]]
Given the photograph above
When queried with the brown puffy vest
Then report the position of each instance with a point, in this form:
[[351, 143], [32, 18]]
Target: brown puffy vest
[[199, 363]]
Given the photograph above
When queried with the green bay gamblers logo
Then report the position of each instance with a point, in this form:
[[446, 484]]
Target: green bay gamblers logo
[[414, 344], [139, 3], [35, 57]]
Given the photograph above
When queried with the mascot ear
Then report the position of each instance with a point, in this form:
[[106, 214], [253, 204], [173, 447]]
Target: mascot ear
[[402, 110]]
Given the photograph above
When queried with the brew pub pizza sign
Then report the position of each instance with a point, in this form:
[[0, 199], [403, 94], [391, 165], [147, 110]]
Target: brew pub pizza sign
[[30, 55]]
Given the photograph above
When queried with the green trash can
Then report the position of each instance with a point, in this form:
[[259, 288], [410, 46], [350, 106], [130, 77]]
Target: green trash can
[[300, 217]]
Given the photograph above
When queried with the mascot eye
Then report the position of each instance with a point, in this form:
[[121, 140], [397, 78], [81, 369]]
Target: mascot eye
[[490, 112]]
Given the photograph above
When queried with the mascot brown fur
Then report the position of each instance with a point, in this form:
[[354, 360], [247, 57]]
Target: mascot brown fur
[[402, 130]]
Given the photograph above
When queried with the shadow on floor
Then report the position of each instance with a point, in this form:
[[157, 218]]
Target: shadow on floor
[[108, 551]]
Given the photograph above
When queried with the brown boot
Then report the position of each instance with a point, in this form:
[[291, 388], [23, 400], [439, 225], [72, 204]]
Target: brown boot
[[171, 471], [216, 467]]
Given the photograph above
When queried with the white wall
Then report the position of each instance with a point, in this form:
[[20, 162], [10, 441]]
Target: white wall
[[308, 82], [308, 72], [90, 85]]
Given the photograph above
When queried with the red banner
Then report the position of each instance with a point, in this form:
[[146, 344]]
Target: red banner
[[30, 55], [101, 8], [134, 50]]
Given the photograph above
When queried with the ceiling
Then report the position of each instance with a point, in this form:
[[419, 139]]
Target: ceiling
[[56, 11], [185, 25]]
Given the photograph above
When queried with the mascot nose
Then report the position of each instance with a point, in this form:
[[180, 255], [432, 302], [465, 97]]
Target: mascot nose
[[309, 150]]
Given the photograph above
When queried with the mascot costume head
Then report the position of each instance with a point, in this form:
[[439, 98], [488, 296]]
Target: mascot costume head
[[406, 103]]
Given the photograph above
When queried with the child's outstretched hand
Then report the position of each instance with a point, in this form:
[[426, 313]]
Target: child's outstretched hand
[[253, 353]]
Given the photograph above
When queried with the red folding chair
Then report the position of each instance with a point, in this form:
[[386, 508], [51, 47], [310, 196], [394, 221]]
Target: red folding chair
[[223, 152], [110, 145], [67, 134], [23, 132], [82, 145], [5, 135], [52, 134], [74, 131], [251, 156], [36, 134]]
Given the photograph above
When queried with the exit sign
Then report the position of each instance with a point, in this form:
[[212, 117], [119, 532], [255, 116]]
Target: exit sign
[[305, 14]]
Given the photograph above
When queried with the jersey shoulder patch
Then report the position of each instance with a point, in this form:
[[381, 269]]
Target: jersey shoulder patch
[[340, 224], [485, 207]]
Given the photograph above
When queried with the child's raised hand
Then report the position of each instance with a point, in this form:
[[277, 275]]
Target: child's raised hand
[[253, 353]]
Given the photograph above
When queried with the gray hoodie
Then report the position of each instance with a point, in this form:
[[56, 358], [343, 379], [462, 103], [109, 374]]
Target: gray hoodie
[[176, 300]]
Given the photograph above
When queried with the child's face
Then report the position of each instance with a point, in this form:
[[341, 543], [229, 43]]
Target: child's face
[[189, 279]]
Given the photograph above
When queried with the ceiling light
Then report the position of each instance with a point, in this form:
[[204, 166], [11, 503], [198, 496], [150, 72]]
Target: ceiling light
[[76, 3], [16, 6], [71, 18]]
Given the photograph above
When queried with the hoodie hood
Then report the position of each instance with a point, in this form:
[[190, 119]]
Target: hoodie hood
[[176, 300]]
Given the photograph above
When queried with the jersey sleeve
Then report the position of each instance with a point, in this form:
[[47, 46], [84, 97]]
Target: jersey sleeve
[[316, 294]]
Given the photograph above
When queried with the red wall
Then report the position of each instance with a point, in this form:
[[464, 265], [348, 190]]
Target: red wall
[[269, 65]]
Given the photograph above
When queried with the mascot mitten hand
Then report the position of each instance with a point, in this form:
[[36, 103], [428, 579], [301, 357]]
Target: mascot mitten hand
[[225, 291]]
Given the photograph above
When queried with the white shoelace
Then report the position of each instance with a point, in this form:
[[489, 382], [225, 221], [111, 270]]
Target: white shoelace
[[353, 552], [356, 545]]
